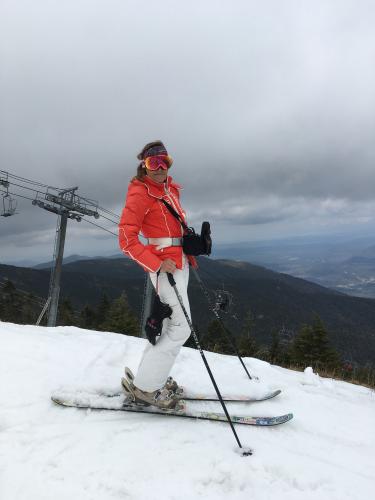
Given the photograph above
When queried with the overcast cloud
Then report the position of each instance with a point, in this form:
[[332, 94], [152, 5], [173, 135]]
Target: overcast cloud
[[268, 109]]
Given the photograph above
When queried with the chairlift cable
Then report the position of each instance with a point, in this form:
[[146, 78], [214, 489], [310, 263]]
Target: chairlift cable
[[25, 187], [29, 181], [108, 212], [110, 220], [101, 227], [40, 184], [19, 195]]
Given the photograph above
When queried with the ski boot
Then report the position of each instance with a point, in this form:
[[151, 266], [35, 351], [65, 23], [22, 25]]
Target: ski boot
[[161, 398], [170, 384]]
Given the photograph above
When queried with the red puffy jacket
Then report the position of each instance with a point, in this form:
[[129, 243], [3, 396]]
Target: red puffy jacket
[[144, 213]]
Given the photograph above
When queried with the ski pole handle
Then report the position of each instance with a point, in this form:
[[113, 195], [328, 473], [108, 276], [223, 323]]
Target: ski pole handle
[[171, 279]]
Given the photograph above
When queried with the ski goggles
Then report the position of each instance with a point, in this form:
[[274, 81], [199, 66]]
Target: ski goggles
[[158, 161]]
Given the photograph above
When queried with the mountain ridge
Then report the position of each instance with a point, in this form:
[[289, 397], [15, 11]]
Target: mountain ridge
[[277, 301]]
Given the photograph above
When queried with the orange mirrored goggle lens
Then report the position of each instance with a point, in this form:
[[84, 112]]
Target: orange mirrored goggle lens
[[158, 161]]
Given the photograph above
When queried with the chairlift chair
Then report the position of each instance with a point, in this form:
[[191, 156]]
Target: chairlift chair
[[9, 206]]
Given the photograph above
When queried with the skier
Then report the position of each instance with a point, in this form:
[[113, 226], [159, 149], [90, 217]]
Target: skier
[[145, 212]]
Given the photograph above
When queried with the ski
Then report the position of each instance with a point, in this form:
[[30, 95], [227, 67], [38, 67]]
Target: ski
[[94, 403], [230, 399], [187, 396]]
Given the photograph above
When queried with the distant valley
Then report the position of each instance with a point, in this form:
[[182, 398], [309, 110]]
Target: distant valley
[[341, 264]]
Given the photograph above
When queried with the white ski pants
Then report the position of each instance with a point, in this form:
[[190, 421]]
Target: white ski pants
[[157, 360]]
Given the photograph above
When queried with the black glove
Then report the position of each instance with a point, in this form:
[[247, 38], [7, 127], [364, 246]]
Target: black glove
[[206, 238], [154, 323]]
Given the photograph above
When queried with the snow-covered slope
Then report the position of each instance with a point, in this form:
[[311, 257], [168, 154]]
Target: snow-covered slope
[[50, 453]]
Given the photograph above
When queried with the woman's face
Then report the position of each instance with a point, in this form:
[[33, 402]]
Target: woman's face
[[157, 175]]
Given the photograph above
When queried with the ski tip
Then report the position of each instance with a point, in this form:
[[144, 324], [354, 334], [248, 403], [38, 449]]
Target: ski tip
[[269, 421], [56, 400], [271, 395], [284, 418], [62, 402]]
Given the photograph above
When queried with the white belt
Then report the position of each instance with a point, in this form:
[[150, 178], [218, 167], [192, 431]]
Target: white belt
[[165, 242]]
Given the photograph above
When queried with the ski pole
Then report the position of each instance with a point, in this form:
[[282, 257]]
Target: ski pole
[[244, 451], [225, 330]]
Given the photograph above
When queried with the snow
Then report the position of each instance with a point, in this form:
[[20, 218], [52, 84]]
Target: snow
[[48, 452]]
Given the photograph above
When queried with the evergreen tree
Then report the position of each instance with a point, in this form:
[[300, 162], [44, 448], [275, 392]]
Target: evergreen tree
[[10, 307], [215, 339], [102, 311], [247, 345], [120, 318], [9, 288], [286, 337], [274, 353], [88, 318], [17, 306], [29, 309], [323, 351], [311, 347], [301, 346], [66, 313]]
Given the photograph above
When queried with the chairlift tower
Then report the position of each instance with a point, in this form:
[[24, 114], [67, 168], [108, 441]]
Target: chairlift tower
[[63, 202], [54, 291], [68, 206]]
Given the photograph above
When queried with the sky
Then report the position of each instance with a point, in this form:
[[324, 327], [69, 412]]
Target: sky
[[268, 109]]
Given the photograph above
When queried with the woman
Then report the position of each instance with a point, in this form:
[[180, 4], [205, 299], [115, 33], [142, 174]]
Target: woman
[[146, 213]]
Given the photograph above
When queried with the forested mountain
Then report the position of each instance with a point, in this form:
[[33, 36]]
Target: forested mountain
[[275, 301]]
